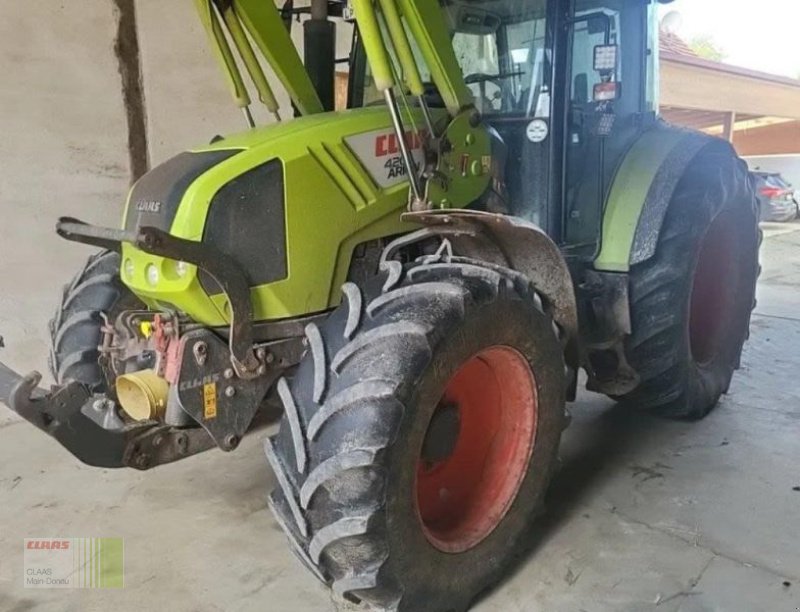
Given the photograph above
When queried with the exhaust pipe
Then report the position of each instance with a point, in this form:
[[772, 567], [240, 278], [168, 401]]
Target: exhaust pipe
[[143, 395]]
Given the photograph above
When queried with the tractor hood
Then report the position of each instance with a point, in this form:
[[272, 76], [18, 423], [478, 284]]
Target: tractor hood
[[288, 202]]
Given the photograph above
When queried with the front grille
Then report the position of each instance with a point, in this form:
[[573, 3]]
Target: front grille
[[247, 220]]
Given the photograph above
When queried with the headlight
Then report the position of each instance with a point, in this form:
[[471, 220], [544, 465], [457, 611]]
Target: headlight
[[181, 268], [151, 273], [130, 268]]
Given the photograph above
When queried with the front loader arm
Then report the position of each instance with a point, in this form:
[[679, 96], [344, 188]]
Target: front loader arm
[[263, 23], [424, 21], [457, 157]]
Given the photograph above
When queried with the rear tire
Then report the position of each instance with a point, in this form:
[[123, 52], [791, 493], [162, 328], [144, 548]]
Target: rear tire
[[355, 458], [75, 331], [691, 303]]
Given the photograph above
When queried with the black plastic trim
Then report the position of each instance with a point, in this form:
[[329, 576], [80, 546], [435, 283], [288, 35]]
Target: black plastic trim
[[247, 221], [155, 197]]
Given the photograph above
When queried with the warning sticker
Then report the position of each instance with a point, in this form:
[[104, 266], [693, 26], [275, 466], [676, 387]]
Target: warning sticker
[[379, 152], [210, 401]]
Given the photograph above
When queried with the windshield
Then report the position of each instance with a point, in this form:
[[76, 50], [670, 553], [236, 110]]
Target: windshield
[[779, 181], [501, 51], [773, 180]]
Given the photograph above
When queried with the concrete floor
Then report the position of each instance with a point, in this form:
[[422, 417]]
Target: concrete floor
[[645, 514]]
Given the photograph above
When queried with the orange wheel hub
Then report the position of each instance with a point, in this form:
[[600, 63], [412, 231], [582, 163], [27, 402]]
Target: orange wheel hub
[[462, 497]]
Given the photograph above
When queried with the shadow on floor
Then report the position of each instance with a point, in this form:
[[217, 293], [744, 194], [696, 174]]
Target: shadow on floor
[[592, 450]]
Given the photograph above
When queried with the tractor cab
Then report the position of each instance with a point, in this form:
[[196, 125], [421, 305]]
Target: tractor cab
[[564, 109]]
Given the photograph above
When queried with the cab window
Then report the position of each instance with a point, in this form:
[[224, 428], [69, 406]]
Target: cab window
[[501, 54]]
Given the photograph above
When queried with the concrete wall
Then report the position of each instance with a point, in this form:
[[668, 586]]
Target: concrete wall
[[185, 94], [63, 151], [187, 99]]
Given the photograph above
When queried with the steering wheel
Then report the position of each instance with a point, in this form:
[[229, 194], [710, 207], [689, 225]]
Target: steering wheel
[[480, 79]]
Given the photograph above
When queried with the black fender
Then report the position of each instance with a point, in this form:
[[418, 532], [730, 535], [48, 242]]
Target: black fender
[[513, 243], [642, 190]]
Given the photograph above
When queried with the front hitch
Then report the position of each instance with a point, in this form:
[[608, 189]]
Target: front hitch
[[220, 266], [220, 383], [90, 428]]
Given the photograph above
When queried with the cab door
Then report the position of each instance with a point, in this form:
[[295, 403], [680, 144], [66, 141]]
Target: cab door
[[522, 111], [606, 85]]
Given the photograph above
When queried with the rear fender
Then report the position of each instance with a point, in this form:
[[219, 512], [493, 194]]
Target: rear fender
[[642, 190]]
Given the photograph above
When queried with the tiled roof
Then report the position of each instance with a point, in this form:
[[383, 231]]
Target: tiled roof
[[674, 44]]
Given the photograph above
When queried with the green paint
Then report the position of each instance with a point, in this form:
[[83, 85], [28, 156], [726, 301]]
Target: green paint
[[263, 22], [332, 204], [629, 194], [332, 200], [372, 39], [462, 177], [426, 22], [110, 563]]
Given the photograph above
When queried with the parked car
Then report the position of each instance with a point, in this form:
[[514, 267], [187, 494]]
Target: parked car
[[777, 198]]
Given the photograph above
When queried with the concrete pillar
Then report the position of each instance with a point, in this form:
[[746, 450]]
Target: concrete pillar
[[729, 126], [186, 95]]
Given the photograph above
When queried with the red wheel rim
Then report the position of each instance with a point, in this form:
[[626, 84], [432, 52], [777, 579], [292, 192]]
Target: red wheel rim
[[713, 290], [462, 498]]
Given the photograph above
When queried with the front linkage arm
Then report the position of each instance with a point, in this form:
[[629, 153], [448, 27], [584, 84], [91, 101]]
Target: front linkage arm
[[222, 268], [88, 427]]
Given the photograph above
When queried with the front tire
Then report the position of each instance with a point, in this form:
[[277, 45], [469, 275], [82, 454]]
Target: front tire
[[691, 303], [419, 436], [75, 330]]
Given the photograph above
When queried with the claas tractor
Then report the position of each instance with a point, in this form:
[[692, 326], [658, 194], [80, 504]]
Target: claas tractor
[[418, 278]]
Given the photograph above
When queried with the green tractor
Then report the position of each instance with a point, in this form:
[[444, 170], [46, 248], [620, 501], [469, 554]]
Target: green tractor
[[418, 279]]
